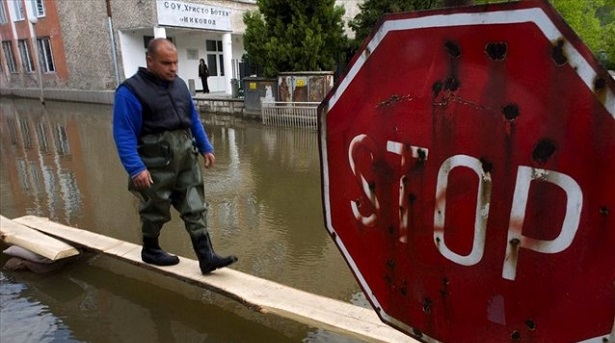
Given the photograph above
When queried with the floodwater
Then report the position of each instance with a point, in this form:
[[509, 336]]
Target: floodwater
[[59, 161]]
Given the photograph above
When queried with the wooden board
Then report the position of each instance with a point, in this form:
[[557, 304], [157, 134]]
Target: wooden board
[[17, 234], [258, 294]]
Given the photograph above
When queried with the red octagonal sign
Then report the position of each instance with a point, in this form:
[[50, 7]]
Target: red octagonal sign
[[468, 163]]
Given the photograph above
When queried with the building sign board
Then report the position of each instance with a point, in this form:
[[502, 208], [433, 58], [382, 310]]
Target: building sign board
[[468, 162], [191, 15]]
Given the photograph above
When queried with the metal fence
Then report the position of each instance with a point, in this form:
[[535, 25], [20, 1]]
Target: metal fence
[[290, 114]]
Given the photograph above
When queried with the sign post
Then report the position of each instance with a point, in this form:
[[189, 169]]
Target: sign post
[[468, 164]]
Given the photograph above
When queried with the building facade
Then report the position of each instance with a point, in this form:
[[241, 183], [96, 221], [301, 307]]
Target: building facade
[[20, 43], [95, 44]]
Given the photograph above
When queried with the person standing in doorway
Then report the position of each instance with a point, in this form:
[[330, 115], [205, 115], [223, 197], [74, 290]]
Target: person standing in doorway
[[204, 74], [159, 136]]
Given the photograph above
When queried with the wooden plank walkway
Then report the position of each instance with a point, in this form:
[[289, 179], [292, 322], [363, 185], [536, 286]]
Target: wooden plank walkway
[[255, 293]]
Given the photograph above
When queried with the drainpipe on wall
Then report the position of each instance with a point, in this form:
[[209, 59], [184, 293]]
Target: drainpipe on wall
[[113, 50], [33, 19]]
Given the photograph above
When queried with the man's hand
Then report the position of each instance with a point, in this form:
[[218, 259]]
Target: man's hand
[[210, 159], [142, 180]]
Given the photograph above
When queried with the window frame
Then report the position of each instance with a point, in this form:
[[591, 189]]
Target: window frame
[[19, 11], [45, 54], [4, 18], [26, 61], [39, 7], [214, 54], [9, 56]]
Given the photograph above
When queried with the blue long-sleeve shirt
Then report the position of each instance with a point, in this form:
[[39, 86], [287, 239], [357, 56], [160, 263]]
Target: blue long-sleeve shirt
[[127, 123]]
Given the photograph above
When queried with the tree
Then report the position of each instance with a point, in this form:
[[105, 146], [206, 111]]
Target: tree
[[372, 10], [581, 16], [606, 15], [254, 41], [294, 35], [608, 34], [592, 20]]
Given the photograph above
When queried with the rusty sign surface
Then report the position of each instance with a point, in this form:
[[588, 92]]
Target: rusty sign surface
[[468, 164]]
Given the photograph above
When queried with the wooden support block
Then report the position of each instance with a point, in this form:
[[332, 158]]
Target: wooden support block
[[14, 233]]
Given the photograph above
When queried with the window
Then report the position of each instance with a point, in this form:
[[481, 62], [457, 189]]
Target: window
[[7, 48], [46, 55], [39, 7], [213, 45], [19, 13], [3, 17], [214, 57], [26, 58]]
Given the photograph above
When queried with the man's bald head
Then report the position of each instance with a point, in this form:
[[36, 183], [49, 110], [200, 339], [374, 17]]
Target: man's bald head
[[157, 44], [162, 59]]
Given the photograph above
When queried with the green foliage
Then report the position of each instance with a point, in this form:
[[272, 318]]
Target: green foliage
[[592, 20], [581, 16], [294, 35], [254, 39], [607, 55], [606, 15], [372, 10]]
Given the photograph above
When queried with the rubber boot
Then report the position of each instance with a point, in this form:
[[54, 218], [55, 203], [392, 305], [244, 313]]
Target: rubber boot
[[208, 259], [153, 254]]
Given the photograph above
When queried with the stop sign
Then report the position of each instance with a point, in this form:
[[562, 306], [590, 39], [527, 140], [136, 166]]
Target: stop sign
[[468, 164]]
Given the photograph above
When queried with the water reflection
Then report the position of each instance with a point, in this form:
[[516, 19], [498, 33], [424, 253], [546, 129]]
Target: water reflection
[[42, 163], [36, 322], [96, 305], [59, 161]]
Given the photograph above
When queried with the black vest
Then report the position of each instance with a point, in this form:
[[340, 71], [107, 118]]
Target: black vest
[[166, 105]]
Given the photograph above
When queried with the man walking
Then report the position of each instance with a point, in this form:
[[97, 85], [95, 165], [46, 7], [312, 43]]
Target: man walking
[[159, 136]]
